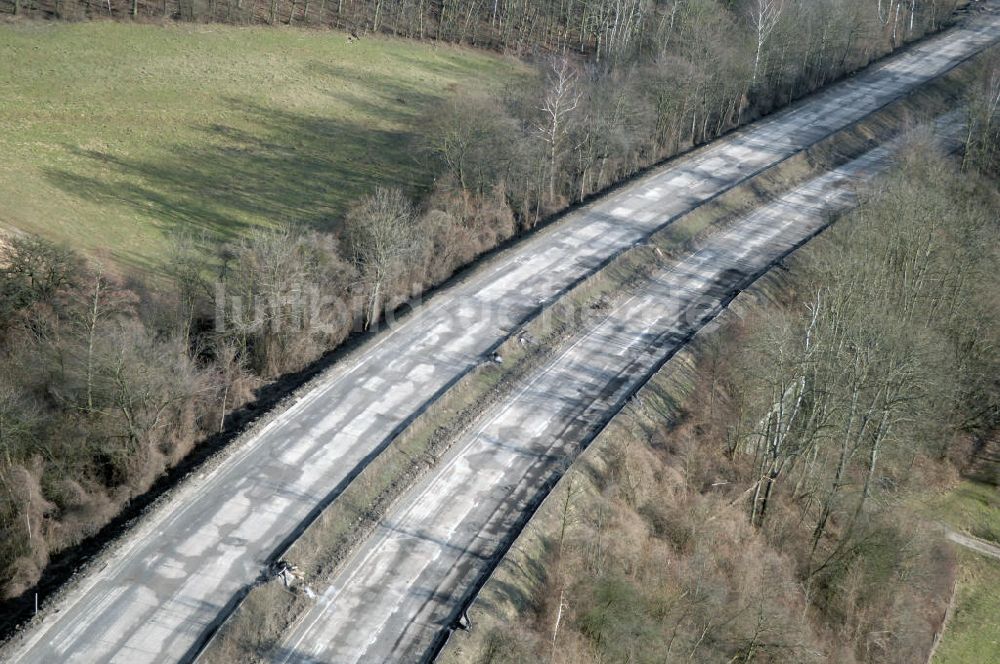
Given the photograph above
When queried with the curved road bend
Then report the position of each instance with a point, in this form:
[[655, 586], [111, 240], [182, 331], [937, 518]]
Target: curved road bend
[[174, 578], [401, 591]]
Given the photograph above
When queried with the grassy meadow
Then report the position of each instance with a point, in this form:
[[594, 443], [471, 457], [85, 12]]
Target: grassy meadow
[[972, 508], [973, 634], [116, 136]]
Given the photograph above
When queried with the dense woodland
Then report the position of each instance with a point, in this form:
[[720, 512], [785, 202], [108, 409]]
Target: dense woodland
[[777, 520], [608, 29], [105, 380]]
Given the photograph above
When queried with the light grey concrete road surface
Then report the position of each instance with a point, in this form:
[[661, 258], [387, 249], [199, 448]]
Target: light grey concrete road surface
[[400, 593], [175, 577]]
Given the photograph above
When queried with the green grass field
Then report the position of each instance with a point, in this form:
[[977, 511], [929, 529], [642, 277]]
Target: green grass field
[[972, 508], [114, 136], [973, 635]]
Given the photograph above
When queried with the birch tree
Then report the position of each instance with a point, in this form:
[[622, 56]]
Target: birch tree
[[560, 100], [764, 16], [982, 110], [381, 233]]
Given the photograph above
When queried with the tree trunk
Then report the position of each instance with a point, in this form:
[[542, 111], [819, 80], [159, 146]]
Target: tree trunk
[[91, 334], [374, 303]]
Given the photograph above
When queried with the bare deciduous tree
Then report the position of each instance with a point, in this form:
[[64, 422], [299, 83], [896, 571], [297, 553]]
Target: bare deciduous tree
[[560, 100], [982, 110], [764, 16], [381, 233]]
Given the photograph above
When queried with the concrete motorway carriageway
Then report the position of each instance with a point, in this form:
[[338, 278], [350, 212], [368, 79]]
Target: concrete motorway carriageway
[[405, 586], [164, 589]]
